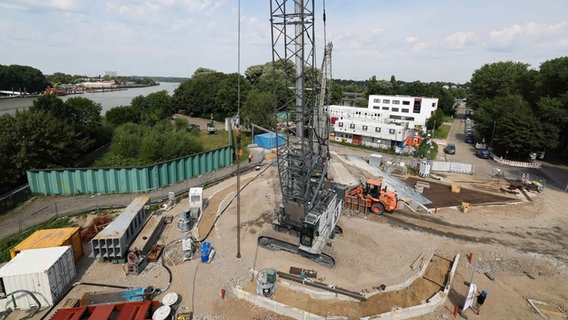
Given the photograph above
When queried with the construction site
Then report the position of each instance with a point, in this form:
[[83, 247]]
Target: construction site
[[403, 264], [310, 230]]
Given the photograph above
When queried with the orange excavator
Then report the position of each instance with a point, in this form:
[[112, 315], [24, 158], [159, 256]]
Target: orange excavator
[[378, 199]]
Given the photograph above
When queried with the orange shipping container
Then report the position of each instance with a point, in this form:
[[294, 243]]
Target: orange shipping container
[[52, 238]]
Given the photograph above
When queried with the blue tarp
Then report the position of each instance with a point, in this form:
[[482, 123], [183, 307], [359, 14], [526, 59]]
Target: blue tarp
[[268, 140]]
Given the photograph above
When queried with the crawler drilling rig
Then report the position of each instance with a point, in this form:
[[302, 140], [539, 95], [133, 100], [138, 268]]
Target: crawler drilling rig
[[311, 205]]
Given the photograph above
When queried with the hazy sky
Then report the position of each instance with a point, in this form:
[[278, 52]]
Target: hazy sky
[[445, 40]]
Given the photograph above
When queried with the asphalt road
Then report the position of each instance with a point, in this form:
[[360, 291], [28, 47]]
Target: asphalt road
[[465, 152], [552, 175]]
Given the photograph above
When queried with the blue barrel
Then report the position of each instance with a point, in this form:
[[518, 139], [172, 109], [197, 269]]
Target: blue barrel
[[205, 250]]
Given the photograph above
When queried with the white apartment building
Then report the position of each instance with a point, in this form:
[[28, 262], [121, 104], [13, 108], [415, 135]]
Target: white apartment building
[[385, 122]]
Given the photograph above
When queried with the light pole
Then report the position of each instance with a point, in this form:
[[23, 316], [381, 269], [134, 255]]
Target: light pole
[[492, 135]]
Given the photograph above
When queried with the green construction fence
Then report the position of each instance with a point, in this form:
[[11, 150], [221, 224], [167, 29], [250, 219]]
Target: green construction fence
[[71, 181]]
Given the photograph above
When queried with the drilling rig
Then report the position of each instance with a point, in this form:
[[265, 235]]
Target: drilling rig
[[311, 205]]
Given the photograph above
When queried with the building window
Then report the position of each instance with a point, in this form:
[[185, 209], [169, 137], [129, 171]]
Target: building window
[[394, 109], [386, 101], [376, 107], [340, 124], [377, 129], [417, 106], [365, 127], [406, 103], [396, 102], [377, 100], [392, 131], [433, 104], [352, 126], [385, 108], [405, 110]]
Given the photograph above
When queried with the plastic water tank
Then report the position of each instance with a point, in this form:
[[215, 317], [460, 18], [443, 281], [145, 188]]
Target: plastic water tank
[[205, 250]]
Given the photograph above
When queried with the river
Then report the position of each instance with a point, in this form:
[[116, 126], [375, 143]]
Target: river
[[108, 100]]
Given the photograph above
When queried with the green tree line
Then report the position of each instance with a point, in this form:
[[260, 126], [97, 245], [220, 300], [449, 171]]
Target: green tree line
[[22, 79], [522, 110], [50, 134]]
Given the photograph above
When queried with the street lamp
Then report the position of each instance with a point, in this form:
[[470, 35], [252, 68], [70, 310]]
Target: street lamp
[[492, 135]]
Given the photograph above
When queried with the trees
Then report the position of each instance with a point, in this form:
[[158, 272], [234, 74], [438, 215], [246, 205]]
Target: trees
[[158, 106], [527, 108], [35, 140], [197, 94], [227, 95], [120, 115], [81, 114], [336, 93], [136, 144], [500, 79], [258, 109], [435, 120], [22, 78]]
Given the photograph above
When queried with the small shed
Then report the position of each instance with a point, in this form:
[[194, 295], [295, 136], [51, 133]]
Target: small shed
[[37, 275], [268, 140], [52, 238]]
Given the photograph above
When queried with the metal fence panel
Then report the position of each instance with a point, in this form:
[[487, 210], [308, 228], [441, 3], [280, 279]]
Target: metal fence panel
[[127, 179]]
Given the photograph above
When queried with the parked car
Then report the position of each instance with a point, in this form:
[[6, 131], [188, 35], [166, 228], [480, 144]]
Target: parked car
[[483, 153], [192, 126], [450, 148], [468, 138]]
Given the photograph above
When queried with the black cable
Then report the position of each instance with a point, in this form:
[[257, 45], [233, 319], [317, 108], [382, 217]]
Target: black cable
[[34, 310]]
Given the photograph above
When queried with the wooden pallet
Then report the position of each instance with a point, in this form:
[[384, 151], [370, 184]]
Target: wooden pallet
[[70, 303], [154, 253]]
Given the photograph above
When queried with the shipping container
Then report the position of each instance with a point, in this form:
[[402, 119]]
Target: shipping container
[[47, 273], [52, 238]]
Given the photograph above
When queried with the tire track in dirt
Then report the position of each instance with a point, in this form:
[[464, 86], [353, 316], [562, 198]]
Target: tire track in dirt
[[210, 213], [537, 242]]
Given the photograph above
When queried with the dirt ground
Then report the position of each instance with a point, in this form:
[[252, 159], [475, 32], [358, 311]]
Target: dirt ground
[[507, 240], [202, 123]]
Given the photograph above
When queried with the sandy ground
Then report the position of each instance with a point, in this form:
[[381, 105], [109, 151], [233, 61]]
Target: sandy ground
[[508, 241]]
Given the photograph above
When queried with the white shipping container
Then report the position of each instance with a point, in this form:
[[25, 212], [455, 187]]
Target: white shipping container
[[45, 272]]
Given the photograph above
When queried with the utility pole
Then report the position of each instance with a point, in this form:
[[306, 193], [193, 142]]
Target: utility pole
[[238, 125], [492, 135]]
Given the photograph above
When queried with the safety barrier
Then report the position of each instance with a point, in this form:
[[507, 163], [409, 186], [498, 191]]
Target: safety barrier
[[72, 181], [518, 164], [457, 167]]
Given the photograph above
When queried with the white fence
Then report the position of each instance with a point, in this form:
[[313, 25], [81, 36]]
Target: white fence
[[457, 167], [519, 164]]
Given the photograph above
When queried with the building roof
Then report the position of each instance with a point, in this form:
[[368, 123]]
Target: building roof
[[33, 261], [46, 238]]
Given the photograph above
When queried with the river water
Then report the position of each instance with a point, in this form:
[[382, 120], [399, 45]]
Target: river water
[[107, 100]]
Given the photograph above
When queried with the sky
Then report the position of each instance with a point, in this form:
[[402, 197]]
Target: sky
[[436, 40]]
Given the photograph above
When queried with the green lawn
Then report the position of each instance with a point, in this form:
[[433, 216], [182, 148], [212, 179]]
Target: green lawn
[[442, 131], [221, 139]]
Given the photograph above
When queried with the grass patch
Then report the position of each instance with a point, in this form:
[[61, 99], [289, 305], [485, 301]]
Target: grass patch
[[443, 131]]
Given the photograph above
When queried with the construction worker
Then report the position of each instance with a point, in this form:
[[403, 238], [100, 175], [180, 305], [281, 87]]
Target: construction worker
[[480, 300], [250, 157]]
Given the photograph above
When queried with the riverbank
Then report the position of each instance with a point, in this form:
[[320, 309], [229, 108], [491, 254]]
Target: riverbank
[[107, 99]]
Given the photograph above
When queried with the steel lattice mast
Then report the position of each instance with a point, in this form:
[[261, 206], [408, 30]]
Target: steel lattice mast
[[293, 50], [311, 205]]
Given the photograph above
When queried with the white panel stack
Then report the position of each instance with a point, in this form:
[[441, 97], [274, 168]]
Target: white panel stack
[[47, 273]]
